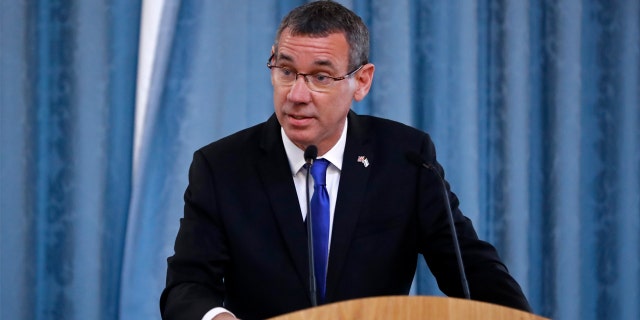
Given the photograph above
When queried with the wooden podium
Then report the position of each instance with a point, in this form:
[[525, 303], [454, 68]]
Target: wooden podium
[[411, 307]]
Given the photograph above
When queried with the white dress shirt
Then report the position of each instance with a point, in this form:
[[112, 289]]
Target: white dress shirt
[[296, 161]]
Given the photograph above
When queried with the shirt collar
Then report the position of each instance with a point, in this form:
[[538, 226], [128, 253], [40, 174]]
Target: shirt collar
[[296, 155]]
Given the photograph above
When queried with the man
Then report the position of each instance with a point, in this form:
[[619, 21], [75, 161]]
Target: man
[[242, 245]]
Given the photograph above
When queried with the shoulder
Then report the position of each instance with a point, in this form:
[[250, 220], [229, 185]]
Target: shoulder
[[385, 130], [374, 122], [389, 138], [245, 143]]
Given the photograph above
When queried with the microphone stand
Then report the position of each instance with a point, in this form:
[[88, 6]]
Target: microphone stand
[[312, 270], [310, 155], [417, 159]]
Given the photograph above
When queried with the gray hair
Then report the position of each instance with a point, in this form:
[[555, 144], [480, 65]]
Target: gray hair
[[322, 18]]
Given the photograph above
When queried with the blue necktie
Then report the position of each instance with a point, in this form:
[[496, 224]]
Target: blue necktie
[[320, 218]]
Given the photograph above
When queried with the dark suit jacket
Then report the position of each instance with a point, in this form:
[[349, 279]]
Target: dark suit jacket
[[242, 243]]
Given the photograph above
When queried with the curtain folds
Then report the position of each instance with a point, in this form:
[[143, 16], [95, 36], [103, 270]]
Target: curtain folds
[[68, 85], [534, 107]]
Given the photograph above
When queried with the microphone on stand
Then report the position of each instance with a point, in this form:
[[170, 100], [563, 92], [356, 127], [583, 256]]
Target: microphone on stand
[[310, 154], [417, 160]]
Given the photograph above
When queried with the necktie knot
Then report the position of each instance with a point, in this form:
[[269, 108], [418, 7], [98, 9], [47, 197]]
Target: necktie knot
[[319, 171]]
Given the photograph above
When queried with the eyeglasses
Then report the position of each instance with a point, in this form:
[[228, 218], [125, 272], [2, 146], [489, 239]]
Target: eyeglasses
[[319, 82]]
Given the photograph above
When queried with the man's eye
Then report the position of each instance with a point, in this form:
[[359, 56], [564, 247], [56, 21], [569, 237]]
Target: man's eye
[[286, 72], [321, 78]]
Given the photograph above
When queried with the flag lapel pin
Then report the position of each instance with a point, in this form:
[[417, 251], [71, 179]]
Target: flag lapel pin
[[363, 160]]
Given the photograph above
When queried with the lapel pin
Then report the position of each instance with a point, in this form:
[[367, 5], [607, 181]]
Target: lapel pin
[[364, 161]]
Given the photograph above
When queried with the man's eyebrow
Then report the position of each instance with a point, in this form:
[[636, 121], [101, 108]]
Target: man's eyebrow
[[282, 56], [322, 63]]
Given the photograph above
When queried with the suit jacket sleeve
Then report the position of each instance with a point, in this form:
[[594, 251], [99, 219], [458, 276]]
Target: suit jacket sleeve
[[195, 272]]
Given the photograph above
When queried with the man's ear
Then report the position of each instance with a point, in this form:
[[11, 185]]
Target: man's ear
[[363, 78]]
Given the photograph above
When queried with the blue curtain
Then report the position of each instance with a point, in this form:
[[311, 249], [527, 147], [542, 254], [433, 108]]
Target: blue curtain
[[534, 107], [67, 111]]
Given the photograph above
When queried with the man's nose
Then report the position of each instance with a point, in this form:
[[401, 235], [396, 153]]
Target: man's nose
[[300, 91]]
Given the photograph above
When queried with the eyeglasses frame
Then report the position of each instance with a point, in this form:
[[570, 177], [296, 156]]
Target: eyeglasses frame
[[304, 75]]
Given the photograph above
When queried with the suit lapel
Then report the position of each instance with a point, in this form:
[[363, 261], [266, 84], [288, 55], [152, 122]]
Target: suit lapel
[[353, 182], [276, 177]]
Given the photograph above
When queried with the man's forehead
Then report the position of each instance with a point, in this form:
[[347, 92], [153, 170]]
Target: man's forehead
[[329, 49], [284, 56]]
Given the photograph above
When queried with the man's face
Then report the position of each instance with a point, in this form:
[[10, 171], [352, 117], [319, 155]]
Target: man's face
[[310, 117]]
